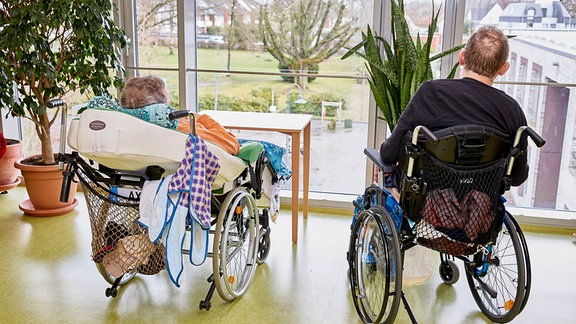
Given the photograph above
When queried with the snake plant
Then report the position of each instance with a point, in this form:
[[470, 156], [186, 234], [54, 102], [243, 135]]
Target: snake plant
[[395, 76]]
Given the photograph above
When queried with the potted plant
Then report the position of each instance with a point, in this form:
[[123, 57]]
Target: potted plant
[[10, 152], [49, 49], [398, 67]]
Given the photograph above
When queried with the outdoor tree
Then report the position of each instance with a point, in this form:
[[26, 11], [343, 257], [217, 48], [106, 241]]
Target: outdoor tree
[[304, 33], [156, 21]]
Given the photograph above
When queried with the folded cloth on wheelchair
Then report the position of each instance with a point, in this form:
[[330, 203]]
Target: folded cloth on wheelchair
[[124, 142], [275, 155], [193, 180]]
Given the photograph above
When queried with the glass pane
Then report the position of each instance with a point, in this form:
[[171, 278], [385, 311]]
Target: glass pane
[[419, 14], [542, 51], [338, 136]]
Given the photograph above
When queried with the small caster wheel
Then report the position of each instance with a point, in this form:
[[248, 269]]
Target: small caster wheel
[[449, 272], [111, 292], [263, 245], [205, 304]]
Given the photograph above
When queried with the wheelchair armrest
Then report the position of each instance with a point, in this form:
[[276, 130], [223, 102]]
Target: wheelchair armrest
[[374, 155]]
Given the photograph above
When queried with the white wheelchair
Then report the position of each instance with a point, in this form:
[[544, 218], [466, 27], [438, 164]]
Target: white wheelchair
[[116, 154]]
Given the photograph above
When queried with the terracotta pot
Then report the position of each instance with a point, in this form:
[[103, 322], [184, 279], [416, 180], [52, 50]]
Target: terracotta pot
[[8, 173], [43, 183]]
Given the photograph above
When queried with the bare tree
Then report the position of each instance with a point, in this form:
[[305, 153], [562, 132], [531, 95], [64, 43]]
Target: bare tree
[[156, 21], [304, 33]]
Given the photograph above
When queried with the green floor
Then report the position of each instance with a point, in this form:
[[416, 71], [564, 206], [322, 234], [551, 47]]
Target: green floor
[[47, 277]]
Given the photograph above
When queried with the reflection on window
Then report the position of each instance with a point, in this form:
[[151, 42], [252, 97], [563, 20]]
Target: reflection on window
[[540, 51], [534, 95]]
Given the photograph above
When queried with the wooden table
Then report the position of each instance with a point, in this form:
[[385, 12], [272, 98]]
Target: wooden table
[[290, 124]]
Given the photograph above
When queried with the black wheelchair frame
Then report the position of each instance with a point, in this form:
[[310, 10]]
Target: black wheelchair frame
[[383, 229]]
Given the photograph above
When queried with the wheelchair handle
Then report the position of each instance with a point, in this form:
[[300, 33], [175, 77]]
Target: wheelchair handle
[[427, 133], [537, 139], [55, 103], [429, 136], [183, 113], [177, 114]]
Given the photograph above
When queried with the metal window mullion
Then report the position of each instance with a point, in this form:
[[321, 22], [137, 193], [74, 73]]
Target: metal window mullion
[[454, 12], [187, 56]]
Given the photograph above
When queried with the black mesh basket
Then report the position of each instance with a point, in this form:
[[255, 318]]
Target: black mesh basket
[[118, 241], [461, 210]]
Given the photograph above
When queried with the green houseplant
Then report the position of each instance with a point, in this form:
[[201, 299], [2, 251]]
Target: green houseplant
[[398, 67], [51, 48]]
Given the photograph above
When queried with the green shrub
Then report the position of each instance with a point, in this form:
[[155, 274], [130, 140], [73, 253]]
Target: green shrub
[[284, 69], [259, 100], [228, 103], [314, 103]]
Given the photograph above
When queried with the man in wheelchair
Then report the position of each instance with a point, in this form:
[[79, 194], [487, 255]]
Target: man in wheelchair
[[442, 103], [455, 150]]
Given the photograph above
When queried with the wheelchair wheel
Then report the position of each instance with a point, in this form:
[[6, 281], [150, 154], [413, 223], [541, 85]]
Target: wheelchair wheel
[[235, 244], [375, 267], [527, 264], [264, 245], [498, 281], [111, 279], [449, 272]]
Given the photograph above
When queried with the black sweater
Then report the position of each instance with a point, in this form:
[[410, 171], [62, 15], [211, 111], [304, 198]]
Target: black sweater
[[443, 103]]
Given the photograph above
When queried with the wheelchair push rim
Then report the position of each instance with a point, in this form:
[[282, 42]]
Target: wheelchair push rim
[[505, 275], [235, 244], [375, 270]]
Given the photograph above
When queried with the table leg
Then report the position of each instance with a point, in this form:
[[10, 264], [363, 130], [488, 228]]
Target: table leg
[[306, 171], [295, 181]]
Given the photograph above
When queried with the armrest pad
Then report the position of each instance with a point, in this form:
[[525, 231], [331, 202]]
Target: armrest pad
[[374, 155]]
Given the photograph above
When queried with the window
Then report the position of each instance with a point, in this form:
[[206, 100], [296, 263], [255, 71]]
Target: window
[[537, 79], [234, 72]]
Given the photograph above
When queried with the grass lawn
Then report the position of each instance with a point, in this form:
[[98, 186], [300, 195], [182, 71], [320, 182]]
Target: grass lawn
[[355, 94]]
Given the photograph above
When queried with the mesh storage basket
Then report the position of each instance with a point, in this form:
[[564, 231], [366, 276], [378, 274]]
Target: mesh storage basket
[[118, 241], [460, 213]]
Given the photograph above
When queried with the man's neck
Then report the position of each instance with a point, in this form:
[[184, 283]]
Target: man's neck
[[478, 77]]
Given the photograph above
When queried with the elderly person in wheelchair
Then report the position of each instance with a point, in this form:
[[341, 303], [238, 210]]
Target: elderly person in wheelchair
[[161, 185], [458, 146]]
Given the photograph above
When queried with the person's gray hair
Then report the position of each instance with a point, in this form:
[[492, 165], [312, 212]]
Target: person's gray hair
[[143, 91]]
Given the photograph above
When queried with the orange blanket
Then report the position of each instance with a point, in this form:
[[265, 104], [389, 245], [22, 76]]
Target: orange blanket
[[210, 130]]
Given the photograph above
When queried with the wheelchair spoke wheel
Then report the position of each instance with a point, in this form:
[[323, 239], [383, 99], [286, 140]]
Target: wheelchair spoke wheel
[[375, 271], [235, 244], [498, 284], [527, 264]]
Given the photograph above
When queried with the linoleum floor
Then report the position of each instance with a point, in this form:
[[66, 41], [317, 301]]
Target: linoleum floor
[[47, 276]]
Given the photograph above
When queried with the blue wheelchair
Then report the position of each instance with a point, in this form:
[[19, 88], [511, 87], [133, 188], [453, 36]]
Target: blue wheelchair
[[451, 187]]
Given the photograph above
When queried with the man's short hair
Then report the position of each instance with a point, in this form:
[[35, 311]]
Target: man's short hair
[[486, 51], [143, 91]]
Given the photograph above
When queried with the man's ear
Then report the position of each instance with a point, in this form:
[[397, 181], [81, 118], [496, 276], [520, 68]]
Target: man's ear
[[461, 58], [504, 68]]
